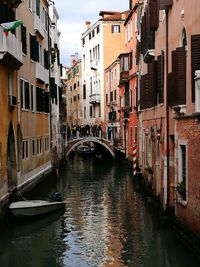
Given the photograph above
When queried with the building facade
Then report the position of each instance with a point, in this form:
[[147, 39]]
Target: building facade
[[25, 128], [101, 44], [74, 93], [168, 58], [128, 85], [112, 122]]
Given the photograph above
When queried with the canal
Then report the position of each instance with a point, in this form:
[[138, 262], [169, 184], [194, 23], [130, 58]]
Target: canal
[[108, 222]]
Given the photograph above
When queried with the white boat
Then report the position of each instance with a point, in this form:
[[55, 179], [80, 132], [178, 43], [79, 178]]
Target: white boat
[[29, 208]]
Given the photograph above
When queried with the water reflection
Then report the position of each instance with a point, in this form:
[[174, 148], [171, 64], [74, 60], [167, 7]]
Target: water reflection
[[108, 222]]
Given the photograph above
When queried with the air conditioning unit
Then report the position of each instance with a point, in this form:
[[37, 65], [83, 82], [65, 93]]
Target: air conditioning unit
[[12, 101]]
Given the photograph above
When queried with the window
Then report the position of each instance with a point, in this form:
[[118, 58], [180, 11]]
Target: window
[[24, 88], [91, 111], [33, 147], [25, 149], [39, 145], [135, 134], [83, 41], [37, 7], [84, 91], [115, 28], [34, 48], [23, 39], [182, 169], [90, 85], [30, 4], [33, 98], [46, 143], [98, 29]]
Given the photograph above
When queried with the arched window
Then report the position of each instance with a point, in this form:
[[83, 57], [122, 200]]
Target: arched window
[[184, 38]]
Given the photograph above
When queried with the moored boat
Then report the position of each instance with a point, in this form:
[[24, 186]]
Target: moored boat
[[29, 208], [85, 150]]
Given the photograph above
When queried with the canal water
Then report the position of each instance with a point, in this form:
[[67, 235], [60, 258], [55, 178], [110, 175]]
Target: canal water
[[108, 222]]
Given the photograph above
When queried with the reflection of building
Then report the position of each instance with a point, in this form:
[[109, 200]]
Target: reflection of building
[[112, 101], [73, 93], [168, 56], [101, 44]]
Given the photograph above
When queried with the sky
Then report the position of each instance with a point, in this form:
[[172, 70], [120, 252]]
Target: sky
[[72, 17]]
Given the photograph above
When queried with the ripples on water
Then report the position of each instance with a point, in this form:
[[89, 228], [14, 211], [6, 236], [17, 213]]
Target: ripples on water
[[107, 223]]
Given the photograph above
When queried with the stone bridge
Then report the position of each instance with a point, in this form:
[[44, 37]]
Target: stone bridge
[[72, 144]]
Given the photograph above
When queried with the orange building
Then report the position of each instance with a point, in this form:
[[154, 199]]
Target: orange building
[[128, 85]]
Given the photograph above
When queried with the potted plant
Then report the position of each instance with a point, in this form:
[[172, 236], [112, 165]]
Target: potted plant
[[181, 189]]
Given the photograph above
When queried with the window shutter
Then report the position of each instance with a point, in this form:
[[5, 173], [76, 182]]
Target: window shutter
[[46, 59], [27, 99], [154, 14], [46, 102], [36, 49], [31, 46], [195, 60], [170, 91], [181, 76], [152, 94], [143, 33], [174, 74], [23, 37], [142, 92]]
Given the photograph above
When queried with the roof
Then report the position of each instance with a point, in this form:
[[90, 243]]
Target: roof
[[113, 15]]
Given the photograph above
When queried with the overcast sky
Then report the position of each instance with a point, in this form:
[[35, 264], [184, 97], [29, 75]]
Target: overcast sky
[[72, 17]]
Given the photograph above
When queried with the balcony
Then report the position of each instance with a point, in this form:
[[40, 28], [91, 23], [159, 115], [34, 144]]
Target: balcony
[[12, 102], [10, 50], [95, 98], [42, 74], [38, 26], [13, 3]]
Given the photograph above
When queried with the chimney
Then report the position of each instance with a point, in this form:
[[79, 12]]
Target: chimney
[[87, 23], [73, 60]]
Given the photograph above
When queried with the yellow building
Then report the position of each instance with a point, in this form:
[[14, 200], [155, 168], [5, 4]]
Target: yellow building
[[73, 94], [24, 95]]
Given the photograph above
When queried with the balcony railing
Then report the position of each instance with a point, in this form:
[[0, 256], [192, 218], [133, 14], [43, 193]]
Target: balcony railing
[[41, 73], [13, 3], [95, 98], [10, 50], [38, 25]]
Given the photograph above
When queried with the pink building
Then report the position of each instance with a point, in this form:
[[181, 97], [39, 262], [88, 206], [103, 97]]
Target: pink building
[[169, 104]]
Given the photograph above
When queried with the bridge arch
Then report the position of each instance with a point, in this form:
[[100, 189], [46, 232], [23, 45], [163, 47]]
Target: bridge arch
[[105, 143]]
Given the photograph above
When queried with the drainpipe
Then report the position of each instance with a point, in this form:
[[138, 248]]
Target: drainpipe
[[167, 115]]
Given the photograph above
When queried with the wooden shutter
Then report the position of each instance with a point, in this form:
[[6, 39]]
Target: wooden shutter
[[195, 60], [46, 102], [23, 37], [46, 59], [142, 91], [36, 49], [154, 14], [174, 74], [170, 91], [181, 76], [152, 94], [27, 98]]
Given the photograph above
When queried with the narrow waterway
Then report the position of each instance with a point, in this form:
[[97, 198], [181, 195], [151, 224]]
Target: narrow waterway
[[108, 222]]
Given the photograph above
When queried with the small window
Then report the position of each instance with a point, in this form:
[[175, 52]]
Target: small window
[[33, 147], [115, 28], [91, 111], [25, 149], [46, 143], [98, 29], [39, 145]]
